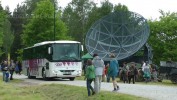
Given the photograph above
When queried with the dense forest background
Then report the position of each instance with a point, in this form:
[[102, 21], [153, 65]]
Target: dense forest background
[[33, 21]]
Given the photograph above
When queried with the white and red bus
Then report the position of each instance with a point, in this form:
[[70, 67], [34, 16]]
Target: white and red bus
[[53, 59]]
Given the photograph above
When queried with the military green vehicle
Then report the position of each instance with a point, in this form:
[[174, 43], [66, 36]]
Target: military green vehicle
[[168, 69]]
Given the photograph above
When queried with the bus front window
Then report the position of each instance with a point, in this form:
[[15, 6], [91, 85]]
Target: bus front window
[[66, 51]]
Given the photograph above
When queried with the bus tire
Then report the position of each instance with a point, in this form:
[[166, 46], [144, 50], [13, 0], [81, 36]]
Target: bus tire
[[71, 78], [28, 73], [44, 75]]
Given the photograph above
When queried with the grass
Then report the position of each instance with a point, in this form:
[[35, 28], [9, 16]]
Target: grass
[[11, 91], [80, 78], [163, 83]]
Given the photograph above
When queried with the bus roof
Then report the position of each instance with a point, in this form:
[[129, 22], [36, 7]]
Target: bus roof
[[52, 42]]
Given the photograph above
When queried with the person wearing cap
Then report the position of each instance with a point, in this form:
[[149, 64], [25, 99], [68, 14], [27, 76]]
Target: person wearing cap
[[113, 71], [99, 67]]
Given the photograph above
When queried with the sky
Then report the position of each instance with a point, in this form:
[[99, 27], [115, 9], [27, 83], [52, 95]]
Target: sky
[[149, 9]]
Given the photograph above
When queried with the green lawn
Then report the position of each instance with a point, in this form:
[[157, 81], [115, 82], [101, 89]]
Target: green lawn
[[164, 82], [12, 91]]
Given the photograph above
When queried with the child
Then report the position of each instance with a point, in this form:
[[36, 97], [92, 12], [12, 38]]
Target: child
[[104, 75], [107, 71], [90, 76]]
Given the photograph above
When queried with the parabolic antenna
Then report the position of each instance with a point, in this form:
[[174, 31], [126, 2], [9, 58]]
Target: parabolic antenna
[[122, 33]]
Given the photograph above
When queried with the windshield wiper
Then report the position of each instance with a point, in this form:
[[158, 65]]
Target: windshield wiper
[[73, 58], [66, 57]]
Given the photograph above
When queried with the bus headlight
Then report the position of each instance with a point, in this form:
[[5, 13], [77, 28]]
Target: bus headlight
[[79, 71], [54, 71]]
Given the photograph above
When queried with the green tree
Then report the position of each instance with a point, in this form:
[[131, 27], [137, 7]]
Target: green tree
[[8, 36], [75, 16], [41, 25], [120, 7], [2, 18], [17, 20], [98, 12], [32, 4], [163, 37]]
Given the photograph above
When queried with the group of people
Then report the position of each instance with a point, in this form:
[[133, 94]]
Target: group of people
[[129, 72], [147, 72], [9, 68], [94, 72]]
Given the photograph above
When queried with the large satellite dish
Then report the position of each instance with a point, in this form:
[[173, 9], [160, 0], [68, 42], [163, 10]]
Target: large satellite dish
[[122, 33]]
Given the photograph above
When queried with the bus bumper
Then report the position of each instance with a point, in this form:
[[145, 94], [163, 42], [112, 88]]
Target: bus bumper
[[66, 73]]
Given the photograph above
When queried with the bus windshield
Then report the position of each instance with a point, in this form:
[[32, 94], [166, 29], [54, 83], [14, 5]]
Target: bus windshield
[[66, 51]]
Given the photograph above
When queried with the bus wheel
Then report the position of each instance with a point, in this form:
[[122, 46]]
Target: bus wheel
[[29, 76], [72, 78], [44, 74]]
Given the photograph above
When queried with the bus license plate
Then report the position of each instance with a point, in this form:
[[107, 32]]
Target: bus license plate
[[67, 73]]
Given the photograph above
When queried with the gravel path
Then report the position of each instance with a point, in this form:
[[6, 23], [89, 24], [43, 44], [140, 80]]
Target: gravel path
[[153, 92]]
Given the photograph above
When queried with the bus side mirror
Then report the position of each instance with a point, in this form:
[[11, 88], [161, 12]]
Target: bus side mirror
[[50, 50], [82, 48]]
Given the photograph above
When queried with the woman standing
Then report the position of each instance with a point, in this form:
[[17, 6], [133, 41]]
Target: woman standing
[[113, 71], [147, 72], [98, 64], [90, 76]]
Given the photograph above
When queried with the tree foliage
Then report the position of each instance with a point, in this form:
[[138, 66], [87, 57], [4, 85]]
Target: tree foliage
[[79, 16], [163, 37], [75, 16], [7, 37], [2, 18], [41, 26], [17, 20]]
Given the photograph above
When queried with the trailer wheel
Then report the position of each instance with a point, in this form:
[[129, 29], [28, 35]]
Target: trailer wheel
[[173, 78]]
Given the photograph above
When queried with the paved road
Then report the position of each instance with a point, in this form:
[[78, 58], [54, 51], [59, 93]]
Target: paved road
[[153, 92]]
